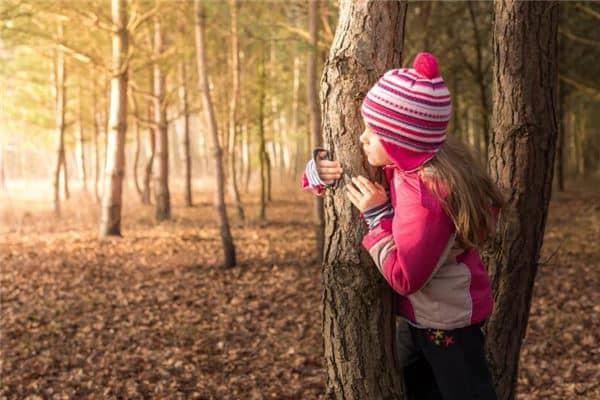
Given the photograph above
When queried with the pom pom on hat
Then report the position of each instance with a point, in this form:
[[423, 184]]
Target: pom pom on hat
[[426, 64]]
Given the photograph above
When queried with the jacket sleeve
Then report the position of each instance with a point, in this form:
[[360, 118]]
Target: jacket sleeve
[[310, 179], [409, 249]]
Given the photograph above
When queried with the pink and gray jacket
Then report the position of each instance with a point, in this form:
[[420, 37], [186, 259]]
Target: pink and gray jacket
[[413, 244]]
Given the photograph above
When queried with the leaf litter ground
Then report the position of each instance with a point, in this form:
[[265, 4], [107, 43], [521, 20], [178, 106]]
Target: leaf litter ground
[[151, 314]]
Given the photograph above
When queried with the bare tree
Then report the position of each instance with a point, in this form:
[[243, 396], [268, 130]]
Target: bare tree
[[233, 108], [315, 114], [162, 196], [112, 197], [60, 102], [226, 238], [522, 150]]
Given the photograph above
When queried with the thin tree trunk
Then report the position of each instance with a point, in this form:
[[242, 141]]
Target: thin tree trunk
[[358, 321], [60, 102], [247, 159], [480, 78], [233, 105], [95, 143], [315, 116], [183, 99], [151, 151], [80, 152], [226, 238], [162, 196], [262, 151], [65, 172], [561, 141], [112, 198], [138, 145], [522, 151], [295, 162]]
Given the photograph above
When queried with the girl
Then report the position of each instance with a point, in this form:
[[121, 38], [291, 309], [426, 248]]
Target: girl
[[424, 235]]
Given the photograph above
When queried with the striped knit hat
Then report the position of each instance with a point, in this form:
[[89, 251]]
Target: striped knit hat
[[409, 108]]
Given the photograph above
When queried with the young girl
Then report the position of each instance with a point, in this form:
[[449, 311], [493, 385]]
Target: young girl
[[424, 235]]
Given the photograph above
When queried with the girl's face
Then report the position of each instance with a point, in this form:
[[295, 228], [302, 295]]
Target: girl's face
[[371, 144]]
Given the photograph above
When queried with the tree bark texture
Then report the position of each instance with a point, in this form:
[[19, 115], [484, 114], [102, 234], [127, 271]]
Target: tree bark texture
[[522, 150], [112, 197], [358, 321], [315, 115]]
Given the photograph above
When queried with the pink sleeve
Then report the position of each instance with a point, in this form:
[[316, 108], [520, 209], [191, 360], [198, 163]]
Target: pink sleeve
[[409, 249], [317, 189]]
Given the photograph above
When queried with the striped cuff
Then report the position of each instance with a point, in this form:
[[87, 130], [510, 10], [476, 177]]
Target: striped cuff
[[374, 214], [313, 175]]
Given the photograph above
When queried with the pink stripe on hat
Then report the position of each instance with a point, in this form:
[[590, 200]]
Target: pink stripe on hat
[[410, 109]]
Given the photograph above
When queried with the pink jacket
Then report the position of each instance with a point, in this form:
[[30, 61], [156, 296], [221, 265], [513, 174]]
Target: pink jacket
[[439, 284]]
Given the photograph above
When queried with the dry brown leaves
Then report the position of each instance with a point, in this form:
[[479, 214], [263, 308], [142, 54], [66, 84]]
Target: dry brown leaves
[[151, 315]]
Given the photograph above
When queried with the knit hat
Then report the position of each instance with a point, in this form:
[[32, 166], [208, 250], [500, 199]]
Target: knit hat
[[409, 108]]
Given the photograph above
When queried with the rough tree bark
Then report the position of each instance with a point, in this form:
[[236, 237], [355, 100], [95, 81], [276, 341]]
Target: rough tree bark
[[522, 150], [315, 115], [112, 197], [226, 238], [358, 321], [162, 197]]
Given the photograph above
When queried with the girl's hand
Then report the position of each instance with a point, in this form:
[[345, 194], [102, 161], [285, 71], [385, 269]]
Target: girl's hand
[[365, 194], [328, 170]]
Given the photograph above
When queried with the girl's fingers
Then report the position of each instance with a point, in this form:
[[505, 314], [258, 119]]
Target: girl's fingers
[[355, 192], [379, 186], [328, 169], [327, 163], [366, 182], [352, 196], [360, 183]]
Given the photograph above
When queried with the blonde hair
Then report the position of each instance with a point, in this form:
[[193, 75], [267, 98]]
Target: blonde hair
[[471, 194]]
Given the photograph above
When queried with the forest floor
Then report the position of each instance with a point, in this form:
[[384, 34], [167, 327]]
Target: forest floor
[[151, 314]]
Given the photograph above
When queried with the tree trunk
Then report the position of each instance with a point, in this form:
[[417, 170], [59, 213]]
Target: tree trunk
[[226, 238], [65, 172], [81, 144], [480, 79], [358, 321], [561, 141], [183, 99], [233, 105], [138, 145], [60, 102], [296, 154], [246, 158], [262, 151], [522, 150], [110, 222], [162, 197], [95, 143], [315, 116], [151, 151]]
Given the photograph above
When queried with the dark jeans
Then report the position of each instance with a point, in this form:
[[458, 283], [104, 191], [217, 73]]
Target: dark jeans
[[450, 365]]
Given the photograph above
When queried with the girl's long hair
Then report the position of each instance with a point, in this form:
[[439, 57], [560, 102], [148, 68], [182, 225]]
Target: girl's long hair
[[471, 194]]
